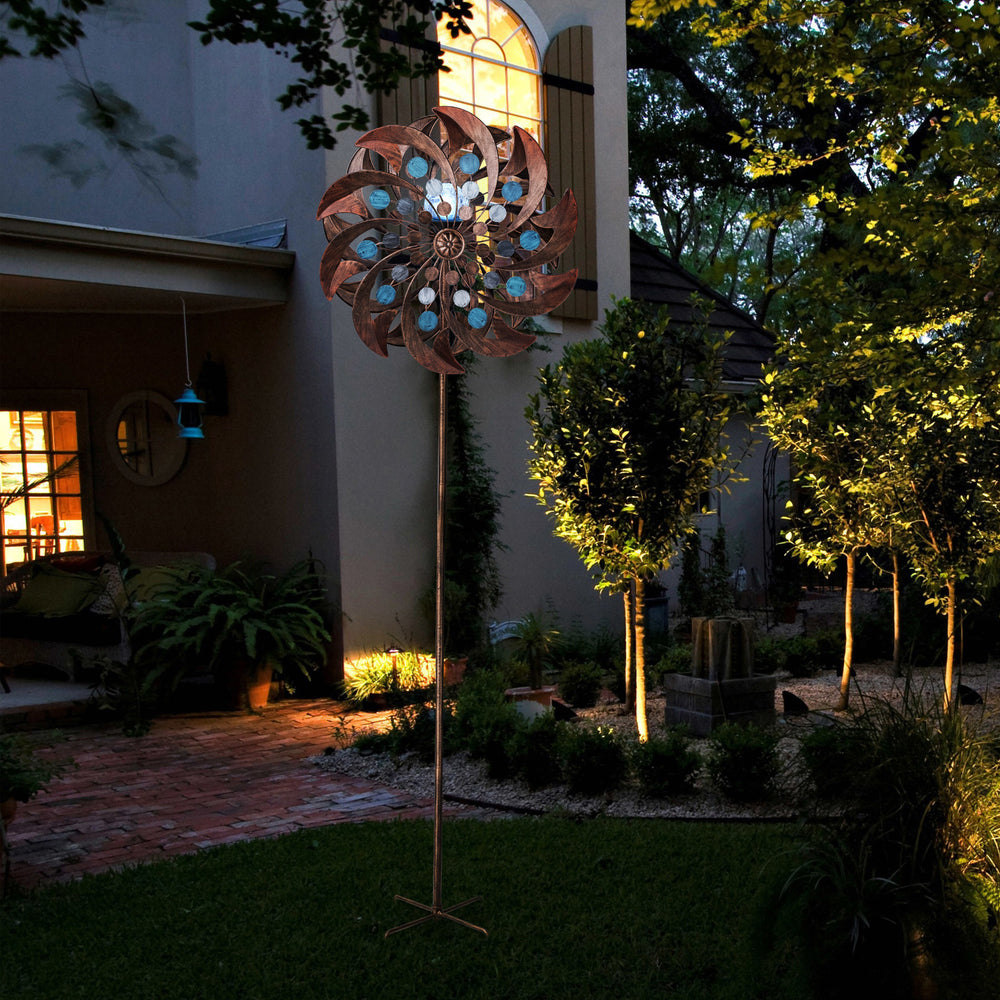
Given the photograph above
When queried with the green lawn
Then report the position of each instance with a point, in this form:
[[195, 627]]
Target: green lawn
[[601, 908]]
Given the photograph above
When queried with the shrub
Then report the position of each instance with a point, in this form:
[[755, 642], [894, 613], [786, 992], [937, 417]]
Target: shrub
[[616, 682], [830, 756], [666, 766], [411, 730], [801, 655], [676, 660], [533, 750], [769, 656], [485, 721], [581, 683], [594, 760], [743, 761], [872, 634]]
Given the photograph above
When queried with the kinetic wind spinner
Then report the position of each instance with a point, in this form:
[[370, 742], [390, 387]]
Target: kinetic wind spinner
[[438, 244], [442, 248]]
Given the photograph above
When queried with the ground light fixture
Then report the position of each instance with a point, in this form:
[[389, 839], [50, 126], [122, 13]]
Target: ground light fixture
[[439, 243], [189, 406]]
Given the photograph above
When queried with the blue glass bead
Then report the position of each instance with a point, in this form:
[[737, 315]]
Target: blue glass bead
[[427, 321], [530, 240], [516, 286], [512, 190]]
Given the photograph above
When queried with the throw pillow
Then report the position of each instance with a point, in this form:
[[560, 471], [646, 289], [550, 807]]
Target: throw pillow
[[54, 593]]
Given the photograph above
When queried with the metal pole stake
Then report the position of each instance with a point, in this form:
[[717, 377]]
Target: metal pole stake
[[436, 910]]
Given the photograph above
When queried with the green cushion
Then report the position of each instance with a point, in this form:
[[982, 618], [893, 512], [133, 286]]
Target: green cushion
[[54, 593], [143, 586]]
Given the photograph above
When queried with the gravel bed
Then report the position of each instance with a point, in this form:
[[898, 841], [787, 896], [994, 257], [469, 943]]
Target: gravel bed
[[465, 779]]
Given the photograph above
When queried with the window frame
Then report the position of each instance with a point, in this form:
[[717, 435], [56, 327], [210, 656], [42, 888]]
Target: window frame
[[52, 400], [538, 41]]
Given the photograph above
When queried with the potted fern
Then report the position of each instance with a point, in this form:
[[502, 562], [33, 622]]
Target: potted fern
[[245, 625]]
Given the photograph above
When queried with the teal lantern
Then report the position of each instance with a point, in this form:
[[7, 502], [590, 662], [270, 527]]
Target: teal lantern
[[189, 406], [189, 412]]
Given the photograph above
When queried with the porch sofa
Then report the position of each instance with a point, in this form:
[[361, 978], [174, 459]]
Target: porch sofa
[[70, 601]]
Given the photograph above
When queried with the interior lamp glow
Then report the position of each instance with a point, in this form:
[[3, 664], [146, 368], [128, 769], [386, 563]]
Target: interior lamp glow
[[189, 406]]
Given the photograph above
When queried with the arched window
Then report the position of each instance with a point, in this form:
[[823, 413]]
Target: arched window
[[494, 71], [499, 76]]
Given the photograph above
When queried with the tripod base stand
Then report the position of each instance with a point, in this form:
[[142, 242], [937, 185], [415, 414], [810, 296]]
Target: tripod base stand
[[435, 913]]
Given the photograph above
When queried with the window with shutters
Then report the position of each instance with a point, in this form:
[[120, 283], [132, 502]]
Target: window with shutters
[[494, 71], [498, 74]]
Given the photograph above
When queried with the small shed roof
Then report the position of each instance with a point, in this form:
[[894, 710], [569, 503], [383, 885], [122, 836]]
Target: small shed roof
[[660, 281]]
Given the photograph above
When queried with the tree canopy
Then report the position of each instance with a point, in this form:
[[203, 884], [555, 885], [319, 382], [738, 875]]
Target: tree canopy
[[333, 43], [875, 123], [627, 438], [878, 126]]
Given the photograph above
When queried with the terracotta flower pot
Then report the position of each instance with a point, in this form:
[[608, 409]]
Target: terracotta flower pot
[[245, 687], [454, 669]]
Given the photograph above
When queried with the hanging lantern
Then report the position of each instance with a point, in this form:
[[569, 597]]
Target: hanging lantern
[[189, 414], [189, 406]]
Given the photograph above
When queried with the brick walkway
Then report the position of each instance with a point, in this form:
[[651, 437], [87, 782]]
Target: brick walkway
[[194, 781]]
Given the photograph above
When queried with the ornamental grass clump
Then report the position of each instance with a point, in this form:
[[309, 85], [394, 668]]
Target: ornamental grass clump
[[395, 674], [743, 762], [898, 894]]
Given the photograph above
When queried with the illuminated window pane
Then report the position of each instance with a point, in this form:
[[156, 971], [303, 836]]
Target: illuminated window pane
[[456, 85], [520, 52], [526, 123], [489, 85], [40, 484], [505, 72], [63, 430]]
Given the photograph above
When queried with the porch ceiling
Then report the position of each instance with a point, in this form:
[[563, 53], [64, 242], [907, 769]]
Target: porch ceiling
[[48, 266]]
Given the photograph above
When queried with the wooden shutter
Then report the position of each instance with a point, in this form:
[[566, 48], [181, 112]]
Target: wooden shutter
[[568, 80], [412, 99]]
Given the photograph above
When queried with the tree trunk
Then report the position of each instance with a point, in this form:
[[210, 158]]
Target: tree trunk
[[897, 638], [845, 676], [629, 597], [639, 615], [949, 661]]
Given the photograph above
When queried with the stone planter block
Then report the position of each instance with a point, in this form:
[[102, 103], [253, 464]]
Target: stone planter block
[[703, 705]]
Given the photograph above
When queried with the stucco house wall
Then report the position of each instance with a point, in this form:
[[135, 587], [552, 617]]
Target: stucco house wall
[[326, 446]]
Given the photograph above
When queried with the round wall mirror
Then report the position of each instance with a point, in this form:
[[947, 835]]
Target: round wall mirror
[[142, 438]]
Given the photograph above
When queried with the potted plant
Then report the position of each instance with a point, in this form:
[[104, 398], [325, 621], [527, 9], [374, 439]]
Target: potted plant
[[536, 641], [23, 773], [242, 623]]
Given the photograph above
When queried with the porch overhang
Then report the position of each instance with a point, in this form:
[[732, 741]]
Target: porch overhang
[[59, 267]]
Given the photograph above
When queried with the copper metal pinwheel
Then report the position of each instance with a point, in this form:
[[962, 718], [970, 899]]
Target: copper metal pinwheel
[[437, 240]]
